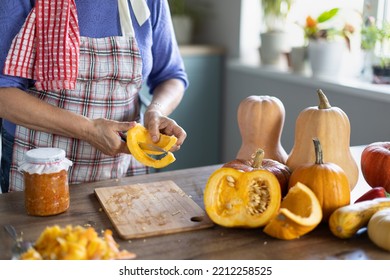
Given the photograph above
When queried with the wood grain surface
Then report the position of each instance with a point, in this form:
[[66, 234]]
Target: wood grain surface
[[156, 208], [216, 243]]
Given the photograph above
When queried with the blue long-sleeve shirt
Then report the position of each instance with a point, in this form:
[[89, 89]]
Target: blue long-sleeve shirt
[[100, 18]]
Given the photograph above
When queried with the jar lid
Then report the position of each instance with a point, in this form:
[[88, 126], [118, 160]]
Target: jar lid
[[44, 155], [45, 160]]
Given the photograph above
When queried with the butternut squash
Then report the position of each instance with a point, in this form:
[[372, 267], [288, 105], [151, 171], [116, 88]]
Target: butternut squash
[[260, 120], [332, 127]]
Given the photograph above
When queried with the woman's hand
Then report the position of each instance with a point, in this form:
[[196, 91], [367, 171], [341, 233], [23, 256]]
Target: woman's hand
[[166, 97], [157, 123], [104, 136]]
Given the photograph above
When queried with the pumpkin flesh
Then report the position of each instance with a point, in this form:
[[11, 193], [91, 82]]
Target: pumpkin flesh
[[300, 212], [139, 134], [257, 161], [234, 198]]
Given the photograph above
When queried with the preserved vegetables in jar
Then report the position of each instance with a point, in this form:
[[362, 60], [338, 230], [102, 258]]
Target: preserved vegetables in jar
[[46, 187]]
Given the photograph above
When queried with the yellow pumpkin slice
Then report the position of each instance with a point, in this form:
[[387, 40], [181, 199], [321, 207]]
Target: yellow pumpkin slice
[[300, 212], [139, 134]]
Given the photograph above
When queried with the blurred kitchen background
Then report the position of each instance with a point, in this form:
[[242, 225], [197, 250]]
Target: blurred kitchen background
[[221, 46], [221, 51]]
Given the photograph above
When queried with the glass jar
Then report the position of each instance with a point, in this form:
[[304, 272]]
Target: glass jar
[[46, 187]]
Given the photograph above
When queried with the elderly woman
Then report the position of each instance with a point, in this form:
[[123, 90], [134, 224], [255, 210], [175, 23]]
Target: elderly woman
[[71, 72]]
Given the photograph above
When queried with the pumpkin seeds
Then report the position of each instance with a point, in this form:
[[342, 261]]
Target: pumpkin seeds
[[230, 181], [259, 198]]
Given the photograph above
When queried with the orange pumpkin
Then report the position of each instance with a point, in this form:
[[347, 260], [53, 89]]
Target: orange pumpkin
[[327, 180], [375, 165]]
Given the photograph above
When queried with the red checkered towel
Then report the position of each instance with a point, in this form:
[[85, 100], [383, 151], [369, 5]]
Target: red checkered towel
[[47, 47]]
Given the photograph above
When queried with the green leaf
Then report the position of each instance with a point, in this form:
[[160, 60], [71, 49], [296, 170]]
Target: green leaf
[[327, 15]]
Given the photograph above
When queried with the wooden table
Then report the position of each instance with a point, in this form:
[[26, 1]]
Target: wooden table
[[216, 243]]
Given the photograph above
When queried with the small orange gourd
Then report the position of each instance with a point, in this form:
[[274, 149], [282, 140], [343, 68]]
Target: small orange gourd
[[260, 120], [327, 180], [331, 126]]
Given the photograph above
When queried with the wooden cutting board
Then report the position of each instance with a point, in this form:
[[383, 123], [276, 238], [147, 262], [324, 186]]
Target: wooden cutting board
[[143, 210]]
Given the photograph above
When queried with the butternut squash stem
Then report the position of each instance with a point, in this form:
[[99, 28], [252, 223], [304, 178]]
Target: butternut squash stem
[[258, 158], [324, 103], [318, 151]]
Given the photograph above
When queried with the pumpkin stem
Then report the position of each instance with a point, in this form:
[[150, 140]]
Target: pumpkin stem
[[258, 158], [324, 103], [318, 151]]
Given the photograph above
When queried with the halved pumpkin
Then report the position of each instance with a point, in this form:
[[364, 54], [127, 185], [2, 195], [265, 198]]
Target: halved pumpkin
[[300, 212], [139, 134], [234, 198]]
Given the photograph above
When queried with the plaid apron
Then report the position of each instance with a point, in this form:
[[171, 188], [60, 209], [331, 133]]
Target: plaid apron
[[107, 86]]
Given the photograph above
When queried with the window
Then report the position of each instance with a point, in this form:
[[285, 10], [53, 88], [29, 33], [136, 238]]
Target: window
[[355, 10], [252, 23]]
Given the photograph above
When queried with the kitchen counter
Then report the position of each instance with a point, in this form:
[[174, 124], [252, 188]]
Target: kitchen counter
[[216, 242]]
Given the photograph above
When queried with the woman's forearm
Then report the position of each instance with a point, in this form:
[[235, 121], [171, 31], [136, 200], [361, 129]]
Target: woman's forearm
[[23, 109], [167, 96]]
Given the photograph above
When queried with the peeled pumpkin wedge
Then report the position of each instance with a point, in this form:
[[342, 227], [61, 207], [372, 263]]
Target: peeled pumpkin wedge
[[300, 212], [139, 134]]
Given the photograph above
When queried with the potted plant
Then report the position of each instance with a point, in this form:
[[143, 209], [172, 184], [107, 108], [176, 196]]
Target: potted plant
[[274, 40], [328, 40], [375, 41], [182, 21]]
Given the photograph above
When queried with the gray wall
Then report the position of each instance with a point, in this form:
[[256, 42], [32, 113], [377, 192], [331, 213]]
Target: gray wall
[[218, 23]]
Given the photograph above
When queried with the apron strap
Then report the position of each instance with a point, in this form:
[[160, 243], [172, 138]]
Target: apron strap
[[141, 11]]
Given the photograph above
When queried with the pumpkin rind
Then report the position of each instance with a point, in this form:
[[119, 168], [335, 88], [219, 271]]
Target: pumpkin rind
[[300, 212], [327, 180], [138, 134], [345, 221], [375, 164], [261, 120], [257, 161], [332, 127], [230, 197]]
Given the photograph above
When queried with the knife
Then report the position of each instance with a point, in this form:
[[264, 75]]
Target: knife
[[145, 146], [151, 147]]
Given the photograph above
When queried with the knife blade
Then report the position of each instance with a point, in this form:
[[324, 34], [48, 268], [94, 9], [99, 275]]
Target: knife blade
[[145, 146], [151, 147]]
